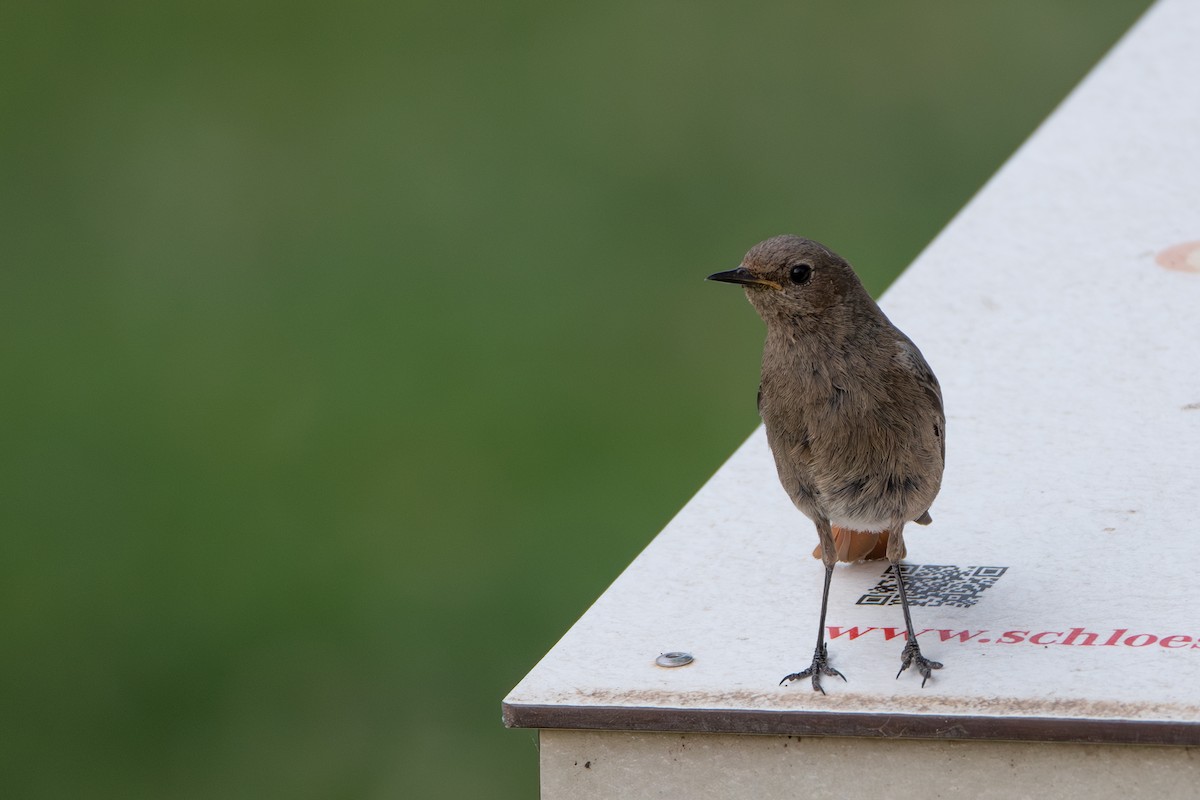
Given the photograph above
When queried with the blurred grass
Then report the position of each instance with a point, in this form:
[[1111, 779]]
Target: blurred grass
[[350, 350]]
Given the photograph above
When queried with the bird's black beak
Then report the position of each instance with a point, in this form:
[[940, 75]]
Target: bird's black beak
[[742, 276]]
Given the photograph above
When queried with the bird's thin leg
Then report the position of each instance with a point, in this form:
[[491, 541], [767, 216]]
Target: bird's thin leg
[[912, 651], [820, 663]]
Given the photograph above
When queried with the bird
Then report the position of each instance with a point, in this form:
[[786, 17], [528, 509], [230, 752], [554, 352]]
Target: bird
[[853, 416]]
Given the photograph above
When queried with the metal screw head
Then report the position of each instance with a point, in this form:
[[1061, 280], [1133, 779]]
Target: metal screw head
[[676, 659]]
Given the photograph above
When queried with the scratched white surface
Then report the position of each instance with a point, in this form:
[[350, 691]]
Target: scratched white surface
[[1070, 364]]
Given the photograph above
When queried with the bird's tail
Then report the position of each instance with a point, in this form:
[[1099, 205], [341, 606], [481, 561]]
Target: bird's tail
[[855, 546]]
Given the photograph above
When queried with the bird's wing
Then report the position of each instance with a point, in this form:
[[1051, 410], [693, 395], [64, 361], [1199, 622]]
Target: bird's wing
[[911, 359]]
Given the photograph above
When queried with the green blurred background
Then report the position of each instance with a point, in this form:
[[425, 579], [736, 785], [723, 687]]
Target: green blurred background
[[351, 349]]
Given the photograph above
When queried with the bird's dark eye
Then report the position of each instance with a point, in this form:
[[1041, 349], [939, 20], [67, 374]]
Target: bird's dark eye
[[801, 273]]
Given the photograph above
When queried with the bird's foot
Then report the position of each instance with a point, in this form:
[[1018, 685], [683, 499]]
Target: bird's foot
[[912, 657], [820, 666]]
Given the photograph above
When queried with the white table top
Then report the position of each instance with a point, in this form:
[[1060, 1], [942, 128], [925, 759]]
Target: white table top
[[1069, 357]]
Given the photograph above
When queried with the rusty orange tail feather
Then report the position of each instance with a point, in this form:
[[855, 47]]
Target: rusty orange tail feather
[[855, 546]]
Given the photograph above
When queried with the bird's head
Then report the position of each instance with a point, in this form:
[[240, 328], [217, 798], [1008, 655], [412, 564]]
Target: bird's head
[[792, 277]]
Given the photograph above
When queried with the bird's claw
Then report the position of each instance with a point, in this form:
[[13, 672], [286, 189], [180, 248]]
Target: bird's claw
[[820, 666], [912, 657]]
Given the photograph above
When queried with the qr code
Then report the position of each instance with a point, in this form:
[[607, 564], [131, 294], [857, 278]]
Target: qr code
[[933, 585]]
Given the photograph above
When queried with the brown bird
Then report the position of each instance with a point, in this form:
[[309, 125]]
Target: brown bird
[[853, 415]]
